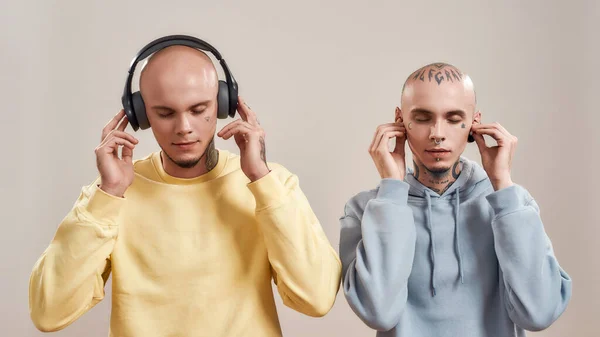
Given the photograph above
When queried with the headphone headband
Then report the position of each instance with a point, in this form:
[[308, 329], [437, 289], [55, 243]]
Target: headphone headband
[[229, 97], [171, 40]]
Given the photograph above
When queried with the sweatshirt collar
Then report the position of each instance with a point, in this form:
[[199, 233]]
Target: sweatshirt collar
[[167, 178]]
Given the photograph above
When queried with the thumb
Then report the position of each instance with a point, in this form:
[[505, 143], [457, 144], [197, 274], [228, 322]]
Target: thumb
[[127, 155], [400, 142], [480, 141]]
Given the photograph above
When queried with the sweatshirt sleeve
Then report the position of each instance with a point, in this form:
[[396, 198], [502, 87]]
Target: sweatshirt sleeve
[[537, 289], [306, 268], [69, 277], [377, 248]]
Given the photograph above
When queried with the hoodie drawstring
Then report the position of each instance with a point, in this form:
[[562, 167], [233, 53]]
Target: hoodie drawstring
[[456, 238], [432, 250]]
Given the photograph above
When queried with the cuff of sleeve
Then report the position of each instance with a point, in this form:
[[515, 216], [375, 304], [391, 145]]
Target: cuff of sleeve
[[103, 206], [393, 190], [268, 191], [508, 199]]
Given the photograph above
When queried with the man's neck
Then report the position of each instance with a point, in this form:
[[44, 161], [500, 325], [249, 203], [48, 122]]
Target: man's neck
[[439, 182]]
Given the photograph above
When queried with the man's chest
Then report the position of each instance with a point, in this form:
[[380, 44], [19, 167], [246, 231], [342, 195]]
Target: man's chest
[[189, 245]]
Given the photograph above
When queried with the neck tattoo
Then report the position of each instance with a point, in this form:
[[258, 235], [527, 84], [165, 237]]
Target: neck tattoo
[[437, 180], [212, 156]]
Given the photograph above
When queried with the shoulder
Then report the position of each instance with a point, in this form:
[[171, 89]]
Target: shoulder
[[355, 206], [142, 164], [148, 167]]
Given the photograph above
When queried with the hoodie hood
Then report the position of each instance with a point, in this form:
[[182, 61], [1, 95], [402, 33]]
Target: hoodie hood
[[470, 182]]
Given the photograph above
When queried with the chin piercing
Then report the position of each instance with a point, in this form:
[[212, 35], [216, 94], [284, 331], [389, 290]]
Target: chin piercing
[[437, 159]]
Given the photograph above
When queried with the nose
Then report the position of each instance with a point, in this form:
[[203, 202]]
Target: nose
[[183, 125], [437, 132]]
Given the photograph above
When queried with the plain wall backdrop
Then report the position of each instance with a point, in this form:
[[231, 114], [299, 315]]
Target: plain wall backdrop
[[321, 75]]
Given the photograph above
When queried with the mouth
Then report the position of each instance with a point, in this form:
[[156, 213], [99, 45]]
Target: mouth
[[185, 145], [438, 153]]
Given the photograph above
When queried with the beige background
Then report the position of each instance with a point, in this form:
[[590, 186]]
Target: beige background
[[321, 75]]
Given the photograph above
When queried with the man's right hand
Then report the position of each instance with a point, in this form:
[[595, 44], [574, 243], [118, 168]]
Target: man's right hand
[[116, 173], [390, 164]]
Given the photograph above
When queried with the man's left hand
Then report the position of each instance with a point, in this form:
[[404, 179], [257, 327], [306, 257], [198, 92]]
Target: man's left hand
[[496, 160], [250, 138]]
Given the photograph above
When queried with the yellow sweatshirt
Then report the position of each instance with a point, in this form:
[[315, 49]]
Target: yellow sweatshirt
[[188, 257]]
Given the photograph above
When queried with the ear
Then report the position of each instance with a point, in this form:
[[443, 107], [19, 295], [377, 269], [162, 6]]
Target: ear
[[398, 115], [477, 117]]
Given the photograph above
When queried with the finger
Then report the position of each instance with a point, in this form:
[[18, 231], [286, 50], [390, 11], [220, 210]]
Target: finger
[[508, 134], [243, 109], [480, 142], [383, 146], [113, 144], [121, 134], [127, 154], [385, 128], [496, 126], [400, 141], [123, 124], [250, 114], [241, 129], [389, 134], [498, 135], [113, 123], [109, 141], [385, 137], [229, 126]]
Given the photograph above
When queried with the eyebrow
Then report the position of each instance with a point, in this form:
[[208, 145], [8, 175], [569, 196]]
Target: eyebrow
[[163, 107], [447, 113]]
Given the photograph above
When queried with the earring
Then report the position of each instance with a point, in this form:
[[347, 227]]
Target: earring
[[470, 139], [410, 125]]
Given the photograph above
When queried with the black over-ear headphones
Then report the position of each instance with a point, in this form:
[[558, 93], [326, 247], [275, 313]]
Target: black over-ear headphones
[[133, 104]]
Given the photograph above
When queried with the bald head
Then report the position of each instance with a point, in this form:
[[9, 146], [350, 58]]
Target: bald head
[[177, 67], [438, 75]]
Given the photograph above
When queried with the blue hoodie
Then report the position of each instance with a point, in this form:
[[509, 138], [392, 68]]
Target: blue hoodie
[[471, 262]]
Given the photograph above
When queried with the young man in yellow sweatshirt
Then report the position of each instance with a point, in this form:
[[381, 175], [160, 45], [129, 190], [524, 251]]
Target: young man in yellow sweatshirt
[[192, 235]]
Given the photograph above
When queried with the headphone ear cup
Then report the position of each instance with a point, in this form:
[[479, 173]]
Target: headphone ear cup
[[223, 100], [131, 117], [139, 109], [233, 99]]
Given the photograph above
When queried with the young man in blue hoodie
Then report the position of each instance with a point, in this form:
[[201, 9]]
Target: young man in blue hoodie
[[449, 248]]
